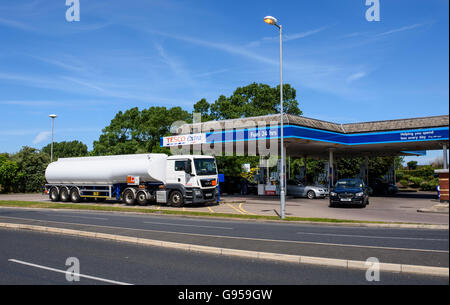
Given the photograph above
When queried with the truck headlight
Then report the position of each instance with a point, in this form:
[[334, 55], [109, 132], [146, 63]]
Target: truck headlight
[[360, 194]]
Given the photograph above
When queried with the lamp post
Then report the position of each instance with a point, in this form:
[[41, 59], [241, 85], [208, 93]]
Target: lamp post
[[53, 116], [273, 21]]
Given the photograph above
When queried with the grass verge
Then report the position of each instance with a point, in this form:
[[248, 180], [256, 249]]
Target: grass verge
[[110, 208]]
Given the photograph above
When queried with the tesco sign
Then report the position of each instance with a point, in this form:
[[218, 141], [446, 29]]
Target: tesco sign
[[190, 139]]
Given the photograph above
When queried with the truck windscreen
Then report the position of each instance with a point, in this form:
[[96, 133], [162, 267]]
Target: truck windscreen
[[205, 167]]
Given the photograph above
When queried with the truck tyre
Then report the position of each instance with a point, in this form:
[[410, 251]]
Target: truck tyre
[[176, 199], [141, 198], [75, 195], [54, 194], [128, 197], [311, 195], [64, 194]]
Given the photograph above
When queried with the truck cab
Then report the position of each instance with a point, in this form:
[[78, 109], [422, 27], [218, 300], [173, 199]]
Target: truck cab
[[191, 179]]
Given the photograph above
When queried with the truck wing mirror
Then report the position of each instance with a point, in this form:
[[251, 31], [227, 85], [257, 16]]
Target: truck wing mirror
[[188, 167]]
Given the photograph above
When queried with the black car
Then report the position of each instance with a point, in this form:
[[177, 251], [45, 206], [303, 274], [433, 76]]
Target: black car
[[382, 188], [349, 192]]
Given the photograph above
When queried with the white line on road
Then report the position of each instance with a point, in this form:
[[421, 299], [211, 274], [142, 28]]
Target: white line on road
[[368, 236], [176, 224], [85, 217], [68, 272]]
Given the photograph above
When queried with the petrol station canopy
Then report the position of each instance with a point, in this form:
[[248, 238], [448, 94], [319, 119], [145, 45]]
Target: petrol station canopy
[[315, 138]]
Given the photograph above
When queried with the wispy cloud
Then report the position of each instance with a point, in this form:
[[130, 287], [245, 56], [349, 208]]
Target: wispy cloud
[[42, 136], [228, 48], [287, 37], [356, 76], [403, 29], [15, 24]]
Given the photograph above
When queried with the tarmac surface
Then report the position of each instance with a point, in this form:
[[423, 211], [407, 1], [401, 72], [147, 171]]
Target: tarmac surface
[[106, 262]]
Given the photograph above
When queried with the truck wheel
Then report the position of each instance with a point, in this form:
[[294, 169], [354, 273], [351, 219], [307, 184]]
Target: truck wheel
[[54, 194], [128, 197], [176, 199], [311, 195], [75, 196], [141, 198], [64, 194]]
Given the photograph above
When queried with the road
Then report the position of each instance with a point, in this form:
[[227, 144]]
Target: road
[[39, 258], [401, 246]]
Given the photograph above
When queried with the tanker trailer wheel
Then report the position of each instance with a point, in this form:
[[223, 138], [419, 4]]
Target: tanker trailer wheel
[[141, 198], [176, 199], [64, 194], [54, 194], [75, 195], [128, 197]]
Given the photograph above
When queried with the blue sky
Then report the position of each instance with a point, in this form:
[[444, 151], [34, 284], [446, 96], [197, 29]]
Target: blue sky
[[124, 54]]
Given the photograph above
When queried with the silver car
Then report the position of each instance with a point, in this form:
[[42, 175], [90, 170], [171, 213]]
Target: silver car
[[297, 189]]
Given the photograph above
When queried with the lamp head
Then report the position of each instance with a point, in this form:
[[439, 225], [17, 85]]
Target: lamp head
[[52, 116], [270, 20]]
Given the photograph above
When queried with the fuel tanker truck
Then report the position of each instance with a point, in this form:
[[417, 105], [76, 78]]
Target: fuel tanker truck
[[135, 179]]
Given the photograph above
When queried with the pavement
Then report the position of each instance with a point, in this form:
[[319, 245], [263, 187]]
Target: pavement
[[104, 262], [399, 208]]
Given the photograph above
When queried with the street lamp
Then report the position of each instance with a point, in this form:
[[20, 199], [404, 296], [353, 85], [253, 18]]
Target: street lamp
[[273, 21], [53, 116]]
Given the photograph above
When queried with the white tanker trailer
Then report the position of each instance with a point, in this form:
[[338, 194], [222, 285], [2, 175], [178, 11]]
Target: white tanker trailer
[[142, 179]]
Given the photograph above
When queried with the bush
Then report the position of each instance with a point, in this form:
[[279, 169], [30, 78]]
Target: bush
[[429, 185], [416, 181], [404, 183]]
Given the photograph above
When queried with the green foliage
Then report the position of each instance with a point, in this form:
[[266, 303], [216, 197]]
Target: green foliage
[[8, 173], [412, 165], [252, 100], [135, 131], [416, 181], [404, 183], [66, 149], [31, 164], [429, 185]]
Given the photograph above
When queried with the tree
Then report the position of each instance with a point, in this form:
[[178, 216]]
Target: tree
[[135, 131], [412, 165], [252, 100], [9, 171], [32, 164], [66, 149]]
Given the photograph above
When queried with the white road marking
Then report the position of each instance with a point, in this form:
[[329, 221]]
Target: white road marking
[[68, 272], [195, 226], [85, 217], [241, 238], [368, 236]]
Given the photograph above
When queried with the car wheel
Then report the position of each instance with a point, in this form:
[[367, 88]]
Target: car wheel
[[176, 199], [311, 195]]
